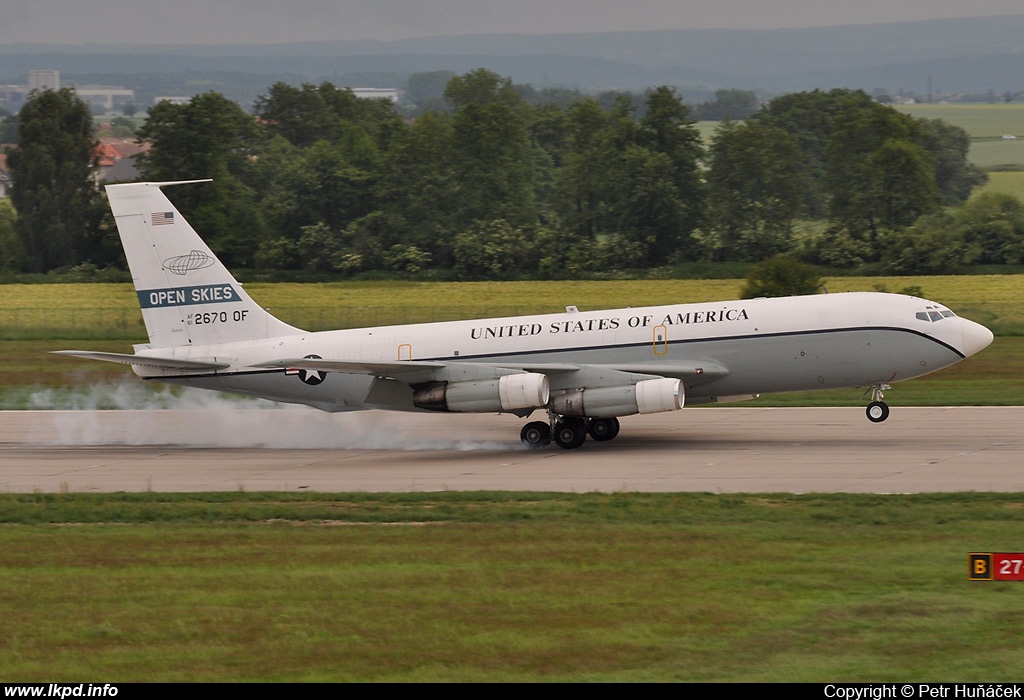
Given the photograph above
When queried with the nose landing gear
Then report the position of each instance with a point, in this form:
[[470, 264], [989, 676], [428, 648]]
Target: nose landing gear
[[878, 410]]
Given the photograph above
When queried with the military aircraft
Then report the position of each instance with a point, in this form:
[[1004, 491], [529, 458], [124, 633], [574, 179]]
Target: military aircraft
[[582, 369]]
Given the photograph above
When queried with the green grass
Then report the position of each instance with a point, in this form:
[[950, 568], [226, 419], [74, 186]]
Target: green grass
[[986, 124], [506, 587], [995, 153], [1010, 182], [978, 120], [706, 129]]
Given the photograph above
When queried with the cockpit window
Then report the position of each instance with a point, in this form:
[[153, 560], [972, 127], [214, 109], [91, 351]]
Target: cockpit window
[[932, 316]]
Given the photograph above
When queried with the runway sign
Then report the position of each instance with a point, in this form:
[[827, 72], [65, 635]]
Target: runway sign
[[995, 566]]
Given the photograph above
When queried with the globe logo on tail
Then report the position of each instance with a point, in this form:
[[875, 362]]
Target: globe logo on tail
[[194, 260]]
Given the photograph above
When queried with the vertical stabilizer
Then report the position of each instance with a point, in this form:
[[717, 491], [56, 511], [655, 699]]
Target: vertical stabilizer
[[187, 295]]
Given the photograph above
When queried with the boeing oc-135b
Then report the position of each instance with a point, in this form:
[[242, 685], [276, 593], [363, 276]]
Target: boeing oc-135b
[[581, 369]]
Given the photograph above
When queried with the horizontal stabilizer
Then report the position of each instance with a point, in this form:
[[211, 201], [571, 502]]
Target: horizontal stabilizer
[[144, 361]]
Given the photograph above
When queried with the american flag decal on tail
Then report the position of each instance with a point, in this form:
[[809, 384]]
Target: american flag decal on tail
[[162, 218]]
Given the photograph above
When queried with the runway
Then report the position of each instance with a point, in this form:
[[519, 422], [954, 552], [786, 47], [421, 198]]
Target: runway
[[797, 450]]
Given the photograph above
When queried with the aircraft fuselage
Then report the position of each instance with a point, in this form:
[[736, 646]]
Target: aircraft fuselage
[[764, 346]]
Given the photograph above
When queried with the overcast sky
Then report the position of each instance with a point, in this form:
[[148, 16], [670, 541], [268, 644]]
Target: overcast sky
[[240, 21]]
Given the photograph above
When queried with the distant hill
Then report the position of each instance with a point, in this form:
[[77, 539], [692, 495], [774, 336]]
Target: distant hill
[[960, 55]]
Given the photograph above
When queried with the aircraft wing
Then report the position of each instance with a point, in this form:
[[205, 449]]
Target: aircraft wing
[[395, 370], [144, 361], [687, 371], [411, 371], [676, 370]]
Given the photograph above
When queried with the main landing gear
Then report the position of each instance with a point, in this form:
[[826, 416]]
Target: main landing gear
[[878, 410], [569, 432]]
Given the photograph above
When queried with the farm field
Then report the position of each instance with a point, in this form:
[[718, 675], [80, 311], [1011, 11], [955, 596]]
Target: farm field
[[997, 153], [979, 120], [986, 124], [1007, 181], [706, 129]]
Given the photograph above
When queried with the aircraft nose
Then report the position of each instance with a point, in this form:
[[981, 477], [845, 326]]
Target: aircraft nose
[[976, 337]]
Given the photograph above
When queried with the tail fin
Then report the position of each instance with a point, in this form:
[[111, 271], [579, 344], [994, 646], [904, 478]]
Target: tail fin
[[187, 295]]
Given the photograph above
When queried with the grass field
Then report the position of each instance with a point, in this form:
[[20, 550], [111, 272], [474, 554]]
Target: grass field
[[986, 124], [995, 153], [1010, 182], [506, 587], [979, 120], [706, 129]]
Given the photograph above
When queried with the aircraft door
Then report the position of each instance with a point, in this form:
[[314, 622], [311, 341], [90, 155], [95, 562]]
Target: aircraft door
[[660, 339], [404, 352]]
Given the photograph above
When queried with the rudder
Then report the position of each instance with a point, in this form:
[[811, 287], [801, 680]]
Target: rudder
[[186, 294]]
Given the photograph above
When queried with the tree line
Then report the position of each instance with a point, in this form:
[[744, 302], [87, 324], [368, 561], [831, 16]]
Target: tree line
[[497, 182]]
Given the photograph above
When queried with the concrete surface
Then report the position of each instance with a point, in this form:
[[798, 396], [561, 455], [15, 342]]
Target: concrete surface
[[799, 450]]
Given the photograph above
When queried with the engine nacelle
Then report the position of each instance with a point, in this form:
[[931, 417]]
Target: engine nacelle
[[508, 393], [649, 396]]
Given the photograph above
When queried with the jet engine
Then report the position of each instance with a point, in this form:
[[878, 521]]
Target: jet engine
[[508, 393], [649, 396]]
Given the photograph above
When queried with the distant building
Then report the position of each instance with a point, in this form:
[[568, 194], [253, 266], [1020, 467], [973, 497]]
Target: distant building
[[110, 96], [376, 93], [43, 80], [173, 99], [116, 159], [12, 96]]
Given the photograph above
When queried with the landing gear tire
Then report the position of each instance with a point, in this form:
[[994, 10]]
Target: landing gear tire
[[536, 435], [570, 433], [877, 411], [602, 429]]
